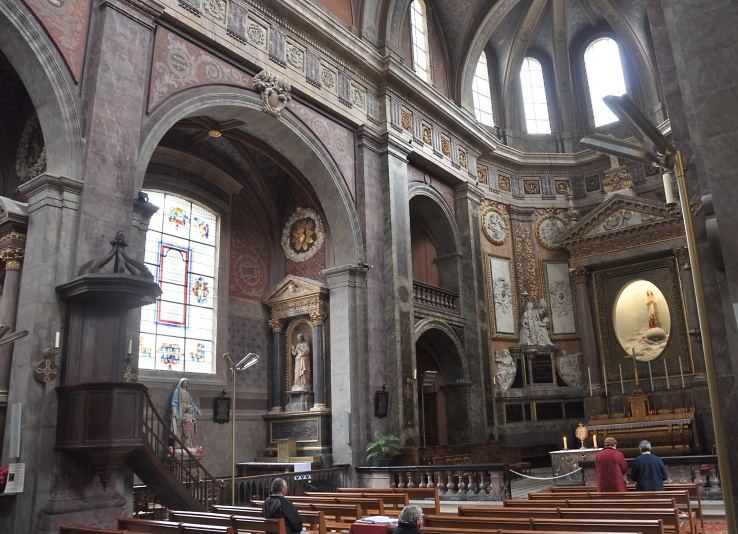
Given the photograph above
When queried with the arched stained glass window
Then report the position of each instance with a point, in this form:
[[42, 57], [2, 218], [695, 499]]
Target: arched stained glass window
[[481, 93], [419, 37], [534, 97], [604, 77], [178, 330]]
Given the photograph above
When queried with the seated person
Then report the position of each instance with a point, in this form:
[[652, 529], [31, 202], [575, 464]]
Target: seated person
[[410, 520], [277, 505]]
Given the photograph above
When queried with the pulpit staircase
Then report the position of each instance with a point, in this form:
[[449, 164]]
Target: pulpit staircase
[[113, 424]]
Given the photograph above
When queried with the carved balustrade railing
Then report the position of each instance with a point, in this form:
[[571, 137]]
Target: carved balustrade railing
[[702, 470], [435, 297], [468, 482], [256, 487]]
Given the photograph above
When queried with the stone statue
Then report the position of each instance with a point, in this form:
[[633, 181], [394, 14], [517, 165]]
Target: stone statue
[[184, 413], [533, 328], [506, 369], [301, 352]]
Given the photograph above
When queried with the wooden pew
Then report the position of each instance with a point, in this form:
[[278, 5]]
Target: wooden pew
[[150, 526], [391, 500], [312, 520], [645, 526], [412, 493], [69, 529], [237, 522], [369, 506], [343, 514]]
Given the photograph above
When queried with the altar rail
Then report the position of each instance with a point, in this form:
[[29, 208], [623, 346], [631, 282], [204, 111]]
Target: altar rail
[[435, 296], [468, 482], [701, 470]]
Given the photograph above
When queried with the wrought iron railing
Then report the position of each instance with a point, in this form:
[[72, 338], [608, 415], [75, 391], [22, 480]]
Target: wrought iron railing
[[469, 482], [184, 466], [435, 296], [257, 487]]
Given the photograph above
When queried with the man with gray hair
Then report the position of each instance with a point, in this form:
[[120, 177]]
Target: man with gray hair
[[648, 470], [410, 520]]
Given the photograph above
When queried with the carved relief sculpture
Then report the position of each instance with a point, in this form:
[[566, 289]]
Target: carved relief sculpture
[[558, 288], [303, 234], [494, 223], [549, 231], [502, 305], [275, 92], [505, 370], [567, 365]]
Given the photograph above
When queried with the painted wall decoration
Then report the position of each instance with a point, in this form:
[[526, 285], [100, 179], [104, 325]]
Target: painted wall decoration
[[502, 302], [560, 298], [641, 320], [303, 234]]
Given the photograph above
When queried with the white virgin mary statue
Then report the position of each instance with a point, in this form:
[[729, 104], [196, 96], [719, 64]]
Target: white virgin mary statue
[[182, 403]]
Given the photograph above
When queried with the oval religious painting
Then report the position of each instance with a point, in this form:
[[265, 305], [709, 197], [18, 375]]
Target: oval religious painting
[[641, 320]]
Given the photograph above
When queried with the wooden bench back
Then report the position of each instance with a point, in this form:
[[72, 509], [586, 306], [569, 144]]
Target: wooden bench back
[[69, 529], [340, 512], [412, 493], [390, 500], [644, 526], [150, 526], [312, 520], [369, 506]]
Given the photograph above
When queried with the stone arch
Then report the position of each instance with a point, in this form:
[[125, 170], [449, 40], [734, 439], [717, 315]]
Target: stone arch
[[288, 136], [46, 79], [450, 369]]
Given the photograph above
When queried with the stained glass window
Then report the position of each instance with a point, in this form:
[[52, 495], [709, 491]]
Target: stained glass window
[[604, 77], [419, 39], [534, 97], [178, 330], [481, 93]]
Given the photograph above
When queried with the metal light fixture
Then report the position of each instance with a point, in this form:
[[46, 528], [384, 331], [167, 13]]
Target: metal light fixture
[[246, 362], [652, 147], [215, 133]]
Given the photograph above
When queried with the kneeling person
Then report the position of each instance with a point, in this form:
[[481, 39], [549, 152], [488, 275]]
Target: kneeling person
[[277, 505]]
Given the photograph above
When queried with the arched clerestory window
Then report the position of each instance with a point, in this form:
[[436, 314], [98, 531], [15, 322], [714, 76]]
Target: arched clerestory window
[[178, 330], [481, 93], [604, 77], [419, 37], [535, 103]]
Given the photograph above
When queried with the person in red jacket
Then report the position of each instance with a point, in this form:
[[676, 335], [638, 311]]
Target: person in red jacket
[[610, 466]]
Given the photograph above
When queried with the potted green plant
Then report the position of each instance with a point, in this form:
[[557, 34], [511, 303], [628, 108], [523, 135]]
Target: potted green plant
[[381, 450]]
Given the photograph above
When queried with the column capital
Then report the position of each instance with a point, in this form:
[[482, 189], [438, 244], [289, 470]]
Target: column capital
[[578, 275], [13, 258], [317, 318], [682, 256], [276, 326]]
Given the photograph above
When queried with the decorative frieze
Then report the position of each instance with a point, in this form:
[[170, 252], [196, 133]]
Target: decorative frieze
[[295, 56], [503, 182], [531, 186], [214, 9], [561, 187]]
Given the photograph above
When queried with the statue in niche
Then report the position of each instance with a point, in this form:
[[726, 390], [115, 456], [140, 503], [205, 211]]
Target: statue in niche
[[533, 327], [506, 369], [301, 352]]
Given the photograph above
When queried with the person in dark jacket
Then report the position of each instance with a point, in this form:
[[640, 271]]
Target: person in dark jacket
[[610, 466], [648, 470], [410, 520], [277, 505]]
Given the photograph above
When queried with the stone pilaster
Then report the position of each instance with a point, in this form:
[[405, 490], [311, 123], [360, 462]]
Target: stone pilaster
[[473, 308], [580, 280], [349, 392], [317, 319], [398, 278], [276, 374]]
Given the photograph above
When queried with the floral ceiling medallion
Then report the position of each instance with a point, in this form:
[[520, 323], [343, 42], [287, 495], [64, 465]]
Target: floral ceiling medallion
[[303, 234]]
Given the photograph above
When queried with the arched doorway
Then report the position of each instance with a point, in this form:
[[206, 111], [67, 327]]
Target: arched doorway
[[441, 386]]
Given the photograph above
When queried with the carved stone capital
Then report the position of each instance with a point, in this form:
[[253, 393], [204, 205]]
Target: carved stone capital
[[276, 326], [317, 318], [275, 92], [578, 275], [13, 258]]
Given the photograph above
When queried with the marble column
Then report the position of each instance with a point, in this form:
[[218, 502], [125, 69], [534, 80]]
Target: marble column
[[277, 350], [13, 259], [473, 308], [349, 384], [579, 278], [317, 319]]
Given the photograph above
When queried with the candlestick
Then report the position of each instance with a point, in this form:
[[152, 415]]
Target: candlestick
[[635, 368], [589, 376], [668, 189], [130, 346], [566, 444], [681, 372], [622, 387], [56, 341], [666, 374], [650, 374], [594, 441]]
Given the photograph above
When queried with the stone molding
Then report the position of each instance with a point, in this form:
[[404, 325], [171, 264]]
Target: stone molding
[[295, 296]]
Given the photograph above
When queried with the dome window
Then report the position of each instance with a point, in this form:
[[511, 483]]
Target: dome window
[[534, 97], [604, 77], [481, 93]]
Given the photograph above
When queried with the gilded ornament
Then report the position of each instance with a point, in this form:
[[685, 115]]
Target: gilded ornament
[[13, 257], [406, 120], [532, 187], [303, 234], [464, 161], [427, 137], [561, 187], [503, 182], [525, 262], [317, 318], [592, 183], [446, 146], [482, 174]]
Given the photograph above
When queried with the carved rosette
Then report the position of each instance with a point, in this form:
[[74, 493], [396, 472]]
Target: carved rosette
[[275, 92], [303, 234]]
